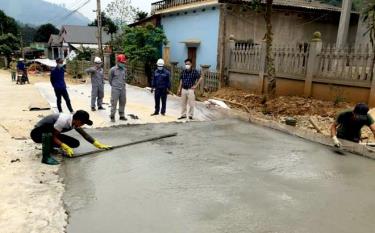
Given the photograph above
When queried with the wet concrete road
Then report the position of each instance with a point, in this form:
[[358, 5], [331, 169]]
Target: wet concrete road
[[222, 176]]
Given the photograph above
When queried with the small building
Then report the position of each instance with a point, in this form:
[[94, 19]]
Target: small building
[[74, 37], [200, 29]]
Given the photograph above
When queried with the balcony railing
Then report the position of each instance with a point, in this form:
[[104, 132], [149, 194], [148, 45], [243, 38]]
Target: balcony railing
[[165, 4]]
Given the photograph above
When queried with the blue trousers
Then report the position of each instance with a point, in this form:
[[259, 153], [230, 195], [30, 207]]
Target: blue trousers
[[160, 94]]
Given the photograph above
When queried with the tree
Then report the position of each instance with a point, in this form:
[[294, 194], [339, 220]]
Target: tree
[[8, 44], [8, 24], [140, 15], [143, 43], [44, 32], [270, 66], [109, 26], [121, 12], [28, 34]]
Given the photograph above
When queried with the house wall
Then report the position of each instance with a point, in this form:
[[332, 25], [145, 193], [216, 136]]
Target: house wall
[[190, 25], [288, 26]]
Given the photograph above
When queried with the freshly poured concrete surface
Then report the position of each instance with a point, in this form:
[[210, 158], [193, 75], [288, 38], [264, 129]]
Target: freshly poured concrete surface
[[221, 176]]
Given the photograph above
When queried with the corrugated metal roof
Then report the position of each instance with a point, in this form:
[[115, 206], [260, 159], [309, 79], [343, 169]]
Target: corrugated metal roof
[[82, 34]]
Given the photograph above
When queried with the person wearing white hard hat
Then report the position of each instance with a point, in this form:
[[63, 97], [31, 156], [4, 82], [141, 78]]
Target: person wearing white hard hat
[[97, 83], [160, 84]]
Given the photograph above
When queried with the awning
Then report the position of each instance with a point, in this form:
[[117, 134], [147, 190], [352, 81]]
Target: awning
[[191, 43], [81, 46]]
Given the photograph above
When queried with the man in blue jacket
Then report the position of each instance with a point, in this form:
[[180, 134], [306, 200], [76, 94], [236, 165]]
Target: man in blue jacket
[[58, 83], [161, 84]]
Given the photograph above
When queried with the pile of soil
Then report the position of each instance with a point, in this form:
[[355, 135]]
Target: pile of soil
[[323, 113], [283, 105]]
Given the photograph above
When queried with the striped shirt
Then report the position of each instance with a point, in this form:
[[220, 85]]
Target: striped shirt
[[189, 78]]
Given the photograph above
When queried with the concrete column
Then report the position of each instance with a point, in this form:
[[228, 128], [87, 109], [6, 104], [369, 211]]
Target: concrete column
[[166, 54], [312, 62], [204, 70], [231, 44], [262, 67], [342, 34]]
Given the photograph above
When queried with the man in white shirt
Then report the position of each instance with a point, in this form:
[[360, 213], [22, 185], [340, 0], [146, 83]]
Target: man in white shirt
[[49, 131]]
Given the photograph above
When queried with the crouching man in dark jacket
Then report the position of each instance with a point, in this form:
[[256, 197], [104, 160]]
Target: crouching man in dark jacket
[[161, 84]]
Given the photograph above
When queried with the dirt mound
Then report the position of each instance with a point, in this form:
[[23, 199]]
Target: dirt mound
[[283, 105]]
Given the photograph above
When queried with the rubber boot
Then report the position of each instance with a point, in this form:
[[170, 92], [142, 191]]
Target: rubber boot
[[47, 148]]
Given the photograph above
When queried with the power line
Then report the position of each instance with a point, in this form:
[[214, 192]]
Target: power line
[[63, 18], [62, 15]]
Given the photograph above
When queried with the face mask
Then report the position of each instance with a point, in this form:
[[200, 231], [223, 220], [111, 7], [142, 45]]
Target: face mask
[[188, 67], [59, 65], [98, 65], [160, 67], [121, 65]]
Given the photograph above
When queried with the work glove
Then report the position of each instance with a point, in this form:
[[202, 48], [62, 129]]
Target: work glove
[[336, 142], [152, 90], [67, 149], [99, 145]]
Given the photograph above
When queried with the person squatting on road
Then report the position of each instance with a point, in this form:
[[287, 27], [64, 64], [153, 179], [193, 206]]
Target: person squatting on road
[[116, 78], [49, 131], [189, 80], [161, 84], [97, 84], [349, 123], [59, 86]]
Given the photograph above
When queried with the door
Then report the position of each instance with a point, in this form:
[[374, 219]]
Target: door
[[192, 54]]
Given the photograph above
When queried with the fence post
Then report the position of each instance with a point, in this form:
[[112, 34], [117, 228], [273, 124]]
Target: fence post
[[312, 62], [204, 70], [228, 58], [262, 66]]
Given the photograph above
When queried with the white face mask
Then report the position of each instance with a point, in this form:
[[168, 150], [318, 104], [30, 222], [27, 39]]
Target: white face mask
[[160, 67], [188, 67]]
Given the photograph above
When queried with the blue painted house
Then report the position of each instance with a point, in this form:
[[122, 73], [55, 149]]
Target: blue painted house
[[200, 29]]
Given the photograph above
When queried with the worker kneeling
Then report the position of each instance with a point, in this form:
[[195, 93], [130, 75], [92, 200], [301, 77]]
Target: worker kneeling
[[49, 131], [348, 124]]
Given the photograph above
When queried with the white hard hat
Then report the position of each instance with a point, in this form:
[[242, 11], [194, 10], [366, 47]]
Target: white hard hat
[[21, 59], [160, 62], [97, 60]]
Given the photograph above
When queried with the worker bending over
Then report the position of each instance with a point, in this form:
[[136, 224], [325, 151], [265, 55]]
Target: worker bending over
[[349, 123], [49, 131]]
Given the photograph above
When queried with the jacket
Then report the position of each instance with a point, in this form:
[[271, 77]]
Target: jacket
[[57, 79], [161, 79]]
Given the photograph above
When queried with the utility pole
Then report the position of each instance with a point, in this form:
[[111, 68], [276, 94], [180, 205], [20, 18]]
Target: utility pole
[[21, 41], [99, 19]]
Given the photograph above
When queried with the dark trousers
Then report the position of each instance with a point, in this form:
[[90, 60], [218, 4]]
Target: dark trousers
[[37, 136], [160, 94], [63, 93]]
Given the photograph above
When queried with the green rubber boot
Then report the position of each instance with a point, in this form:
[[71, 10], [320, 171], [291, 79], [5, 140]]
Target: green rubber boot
[[47, 148]]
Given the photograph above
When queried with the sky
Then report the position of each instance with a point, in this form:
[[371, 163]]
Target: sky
[[87, 10]]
